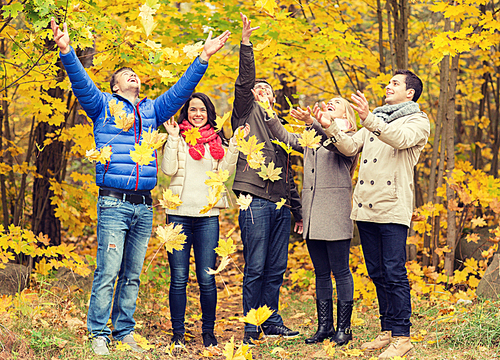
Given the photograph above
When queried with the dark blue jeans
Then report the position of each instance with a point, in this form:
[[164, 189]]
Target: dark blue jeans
[[384, 249], [203, 235], [123, 231], [265, 232], [332, 257]]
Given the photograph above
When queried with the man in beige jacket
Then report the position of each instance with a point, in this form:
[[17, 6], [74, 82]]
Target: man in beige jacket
[[391, 140]]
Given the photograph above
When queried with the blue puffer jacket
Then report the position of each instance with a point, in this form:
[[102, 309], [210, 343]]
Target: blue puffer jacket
[[121, 172]]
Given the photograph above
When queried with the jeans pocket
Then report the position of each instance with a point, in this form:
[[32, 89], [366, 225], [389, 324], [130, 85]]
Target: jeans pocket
[[108, 202]]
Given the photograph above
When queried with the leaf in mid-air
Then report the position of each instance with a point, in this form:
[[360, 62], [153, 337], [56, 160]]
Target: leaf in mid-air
[[221, 121], [269, 172], [142, 154], [192, 135], [223, 263], [171, 236], [217, 178], [258, 316], [244, 201], [225, 247], [280, 204], [170, 200], [309, 139], [256, 159]]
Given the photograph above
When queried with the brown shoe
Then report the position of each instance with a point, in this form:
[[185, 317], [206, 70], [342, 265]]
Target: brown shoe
[[400, 347], [382, 340]]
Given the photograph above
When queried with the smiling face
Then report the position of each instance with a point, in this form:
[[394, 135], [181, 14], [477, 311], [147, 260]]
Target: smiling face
[[197, 113], [336, 109], [266, 90], [127, 80], [396, 92]]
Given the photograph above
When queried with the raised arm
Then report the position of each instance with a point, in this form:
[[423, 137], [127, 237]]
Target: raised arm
[[243, 97], [280, 133]]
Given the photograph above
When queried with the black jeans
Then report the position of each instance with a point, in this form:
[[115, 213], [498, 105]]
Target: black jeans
[[384, 248], [331, 257]]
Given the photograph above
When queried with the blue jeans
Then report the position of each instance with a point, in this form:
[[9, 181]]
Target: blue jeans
[[265, 232], [332, 257], [123, 231], [384, 249], [203, 235]]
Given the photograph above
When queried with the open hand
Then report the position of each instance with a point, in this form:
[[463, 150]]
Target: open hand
[[61, 37], [213, 45], [302, 115], [247, 30], [172, 127], [321, 114], [361, 106]]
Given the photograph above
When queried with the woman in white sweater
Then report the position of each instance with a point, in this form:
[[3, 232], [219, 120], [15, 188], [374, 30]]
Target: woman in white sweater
[[188, 166]]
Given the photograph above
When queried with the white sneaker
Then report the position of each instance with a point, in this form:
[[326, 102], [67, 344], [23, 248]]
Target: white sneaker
[[100, 345]]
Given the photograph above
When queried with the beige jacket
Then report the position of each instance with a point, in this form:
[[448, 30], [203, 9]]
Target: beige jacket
[[174, 161], [384, 192]]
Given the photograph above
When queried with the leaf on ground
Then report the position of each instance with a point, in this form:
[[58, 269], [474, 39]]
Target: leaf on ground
[[242, 353], [122, 346], [269, 172], [143, 342], [171, 236]]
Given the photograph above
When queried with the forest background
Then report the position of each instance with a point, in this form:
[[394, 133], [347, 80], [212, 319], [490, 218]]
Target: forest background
[[309, 51]]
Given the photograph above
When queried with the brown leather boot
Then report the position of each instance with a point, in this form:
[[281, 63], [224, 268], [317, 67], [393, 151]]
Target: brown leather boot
[[382, 340], [400, 347]]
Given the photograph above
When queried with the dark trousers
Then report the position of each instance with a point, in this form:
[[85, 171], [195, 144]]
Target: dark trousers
[[384, 249], [331, 257]]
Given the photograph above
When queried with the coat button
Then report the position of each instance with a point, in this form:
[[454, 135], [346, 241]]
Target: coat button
[[312, 170], [365, 161], [374, 160], [313, 152], [361, 182], [371, 139], [370, 206], [372, 182], [389, 182], [311, 188], [360, 204]]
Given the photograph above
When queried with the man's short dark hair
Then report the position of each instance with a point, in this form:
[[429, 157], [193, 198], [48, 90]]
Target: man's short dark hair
[[412, 82], [258, 81], [112, 82]]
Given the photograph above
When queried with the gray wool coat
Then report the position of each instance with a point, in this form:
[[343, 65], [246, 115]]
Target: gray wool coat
[[327, 189]]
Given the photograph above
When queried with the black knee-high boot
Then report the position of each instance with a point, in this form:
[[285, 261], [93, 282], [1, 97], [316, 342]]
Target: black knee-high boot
[[344, 313], [325, 321]]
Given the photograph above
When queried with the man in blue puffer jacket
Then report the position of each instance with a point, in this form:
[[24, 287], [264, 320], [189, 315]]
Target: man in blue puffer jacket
[[124, 207]]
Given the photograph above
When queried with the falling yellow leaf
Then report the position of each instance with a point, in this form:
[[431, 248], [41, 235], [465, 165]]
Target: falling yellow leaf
[[265, 105], [192, 135], [249, 146], [102, 156], [221, 121], [115, 107], [170, 200], [217, 178], [171, 236], [154, 138], [269, 172], [258, 316], [309, 139], [192, 51], [223, 263], [263, 45], [214, 195], [268, 6], [147, 21], [244, 201], [280, 204], [225, 247], [256, 159], [142, 154]]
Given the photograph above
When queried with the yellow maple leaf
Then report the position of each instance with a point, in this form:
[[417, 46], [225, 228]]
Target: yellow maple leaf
[[171, 236], [309, 139], [142, 154], [242, 353], [472, 237], [268, 6], [92, 154], [280, 204], [265, 105], [221, 121], [170, 200], [256, 159], [269, 172], [154, 138], [223, 263], [217, 178], [329, 348], [478, 222], [214, 195], [142, 342], [124, 121], [225, 247], [244, 201], [353, 352], [147, 21], [249, 146], [261, 46], [258, 316], [42, 267], [105, 154], [115, 107], [192, 51], [122, 346], [192, 135]]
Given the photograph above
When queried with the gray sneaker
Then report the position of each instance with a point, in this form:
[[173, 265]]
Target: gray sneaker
[[100, 345], [129, 339]]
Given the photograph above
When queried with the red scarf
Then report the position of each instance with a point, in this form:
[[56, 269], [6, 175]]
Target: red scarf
[[208, 135]]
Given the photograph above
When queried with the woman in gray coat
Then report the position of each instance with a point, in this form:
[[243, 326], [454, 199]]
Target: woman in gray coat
[[326, 206]]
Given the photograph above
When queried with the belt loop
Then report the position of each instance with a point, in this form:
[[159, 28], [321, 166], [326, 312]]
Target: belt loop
[[124, 197], [143, 200]]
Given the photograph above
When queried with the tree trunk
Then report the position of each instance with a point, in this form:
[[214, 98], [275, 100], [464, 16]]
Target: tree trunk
[[400, 12], [380, 37]]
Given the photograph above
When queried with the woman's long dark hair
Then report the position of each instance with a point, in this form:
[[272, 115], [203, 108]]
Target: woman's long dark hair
[[211, 115]]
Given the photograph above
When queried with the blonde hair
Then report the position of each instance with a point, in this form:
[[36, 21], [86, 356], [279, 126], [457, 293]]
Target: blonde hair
[[351, 118]]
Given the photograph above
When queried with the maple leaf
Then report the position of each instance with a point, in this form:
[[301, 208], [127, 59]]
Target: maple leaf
[[221, 121], [166, 76], [170, 200], [142, 342], [171, 236], [142, 154], [214, 195], [267, 5], [115, 107], [124, 122], [284, 146], [218, 178], [242, 353], [267, 108], [261, 46], [192, 51], [249, 146], [42, 267], [280, 204], [472, 237], [269, 172], [225, 247], [309, 139], [257, 316], [223, 263], [244, 201], [192, 135], [154, 138], [122, 346], [256, 159], [478, 222], [102, 155]]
